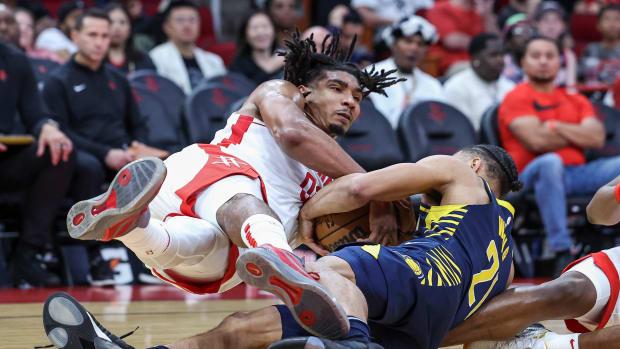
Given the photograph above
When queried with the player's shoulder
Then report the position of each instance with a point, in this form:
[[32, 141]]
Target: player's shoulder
[[277, 87]]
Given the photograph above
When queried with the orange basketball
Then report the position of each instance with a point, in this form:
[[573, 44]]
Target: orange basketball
[[335, 229]]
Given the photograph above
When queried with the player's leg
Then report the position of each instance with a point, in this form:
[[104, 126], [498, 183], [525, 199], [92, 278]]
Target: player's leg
[[602, 339], [569, 296]]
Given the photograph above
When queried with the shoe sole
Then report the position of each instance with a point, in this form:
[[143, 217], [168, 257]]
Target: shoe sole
[[133, 188], [311, 305], [69, 326]]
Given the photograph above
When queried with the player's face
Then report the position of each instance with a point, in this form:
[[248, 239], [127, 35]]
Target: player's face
[[183, 25], [334, 101], [541, 62], [93, 40], [408, 52]]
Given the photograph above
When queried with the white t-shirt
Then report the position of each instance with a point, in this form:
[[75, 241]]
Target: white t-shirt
[[54, 39], [467, 92], [393, 9], [418, 87]]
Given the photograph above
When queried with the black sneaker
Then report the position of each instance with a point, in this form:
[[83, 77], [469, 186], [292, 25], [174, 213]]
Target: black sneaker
[[101, 273], [69, 325], [322, 343], [29, 269]]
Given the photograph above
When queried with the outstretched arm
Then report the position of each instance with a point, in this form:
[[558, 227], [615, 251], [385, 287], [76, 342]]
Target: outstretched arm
[[604, 208]]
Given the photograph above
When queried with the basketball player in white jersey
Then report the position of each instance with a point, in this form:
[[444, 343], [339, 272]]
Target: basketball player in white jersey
[[245, 189], [586, 294]]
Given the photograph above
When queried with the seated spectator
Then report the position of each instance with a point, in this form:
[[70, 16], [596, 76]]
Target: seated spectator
[[600, 61], [179, 59], [42, 169], [25, 22], [517, 32], [379, 14], [256, 57], [9, 30], [94, 103], [512, 8], [457, 21], [318, 34], [550, 21], [351, 26], [409, 40], [123, 55], [480, 86], [57, 38], [546, 129], [283, 14]]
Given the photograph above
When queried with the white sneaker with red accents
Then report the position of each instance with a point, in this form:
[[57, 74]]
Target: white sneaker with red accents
[[533, 337], [281, 273]]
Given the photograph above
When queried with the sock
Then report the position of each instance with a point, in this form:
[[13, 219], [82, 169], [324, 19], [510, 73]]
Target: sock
[[359, 330], [290, 327], [260, 229], [150, 240], [561, 341]]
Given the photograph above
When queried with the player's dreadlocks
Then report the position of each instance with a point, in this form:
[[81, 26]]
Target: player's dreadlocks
[[500, 166], [303, 63]]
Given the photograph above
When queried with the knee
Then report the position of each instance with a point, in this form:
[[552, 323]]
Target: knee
[[234, 324], [88, 166], [551, 164]]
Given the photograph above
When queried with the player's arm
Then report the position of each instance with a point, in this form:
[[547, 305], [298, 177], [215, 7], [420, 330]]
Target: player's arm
[[281, 107], [590, 133], [536, 138], [604, 208]]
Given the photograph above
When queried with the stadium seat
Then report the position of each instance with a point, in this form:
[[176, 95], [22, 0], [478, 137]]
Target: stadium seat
[[41, 68], [489, 129], [371, 141], [233, 81], [164, 87], [164, 118], [611, 119], [433, 127], [207, 110]]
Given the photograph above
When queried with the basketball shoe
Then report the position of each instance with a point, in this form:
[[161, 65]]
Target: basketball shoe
[[322, 343], [533, 337], [69, 325], [281, 273], [122, 207]]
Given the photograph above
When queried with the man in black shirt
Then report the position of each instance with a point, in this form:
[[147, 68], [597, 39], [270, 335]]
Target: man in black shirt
[[95, 103], [42, 169]]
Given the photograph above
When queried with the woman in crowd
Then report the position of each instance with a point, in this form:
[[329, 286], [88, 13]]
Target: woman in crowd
[[256, 45], [123, 55], [25, 22]]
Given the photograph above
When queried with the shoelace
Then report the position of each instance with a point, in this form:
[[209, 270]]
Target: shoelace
[[112, 337]]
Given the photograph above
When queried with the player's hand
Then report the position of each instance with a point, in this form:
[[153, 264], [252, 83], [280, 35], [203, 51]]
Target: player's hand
[[117, 158], [383, 224], [60, 146], [3, 147], [306, 230]]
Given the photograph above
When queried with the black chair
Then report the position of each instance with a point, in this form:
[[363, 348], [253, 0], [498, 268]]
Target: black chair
[[433, 127], [233, 81], [164, 87], [207, 110], [610, 117], [371, 141], [41, 69], [489, 127], [164, 118], [236, 105]]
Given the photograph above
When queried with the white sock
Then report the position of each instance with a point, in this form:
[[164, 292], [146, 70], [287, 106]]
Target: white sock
[[260, 229], [151, 240], [562, 341]]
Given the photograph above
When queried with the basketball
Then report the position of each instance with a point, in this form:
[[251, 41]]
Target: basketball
[[335, 229]]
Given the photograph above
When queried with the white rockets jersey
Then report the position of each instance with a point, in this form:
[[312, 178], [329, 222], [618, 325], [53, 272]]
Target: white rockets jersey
[[288, 182]]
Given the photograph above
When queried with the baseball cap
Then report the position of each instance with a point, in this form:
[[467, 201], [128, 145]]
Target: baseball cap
[[68, 7], [548, 6]]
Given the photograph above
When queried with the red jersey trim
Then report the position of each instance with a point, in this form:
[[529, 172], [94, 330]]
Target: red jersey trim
[[238, 131], [601, 260]]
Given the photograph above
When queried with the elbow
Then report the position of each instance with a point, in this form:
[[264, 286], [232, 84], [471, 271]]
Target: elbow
[[536, 146], [599, 141], [358, 191], [290, 137]]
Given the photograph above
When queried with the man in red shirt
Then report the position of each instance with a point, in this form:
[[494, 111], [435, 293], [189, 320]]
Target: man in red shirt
[[546, 129]]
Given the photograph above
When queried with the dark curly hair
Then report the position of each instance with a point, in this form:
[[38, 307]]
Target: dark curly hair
[[500, 166], [304, 63]]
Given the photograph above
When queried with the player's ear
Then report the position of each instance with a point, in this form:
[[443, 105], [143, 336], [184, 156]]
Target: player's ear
[[305, 91], [476, 164]]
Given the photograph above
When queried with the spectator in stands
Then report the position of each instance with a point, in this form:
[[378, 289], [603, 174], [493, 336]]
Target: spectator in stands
[[480, 86], [283, 14], [179, 59], [350, 26], [25, 22], [9, 30], [58, 39], [409, 39], [517, 32], [95, 104], [42, 169], [122, 54], [379, 14], [457, 21], [512, 8], [256, 56], [600, 61], [318, 34], [546, 129]]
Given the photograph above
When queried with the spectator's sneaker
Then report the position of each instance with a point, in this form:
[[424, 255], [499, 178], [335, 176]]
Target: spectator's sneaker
[[121, 208], [281, 273], [101, 273], [69, 325], [30, 270], [322, 343], [533, 337]]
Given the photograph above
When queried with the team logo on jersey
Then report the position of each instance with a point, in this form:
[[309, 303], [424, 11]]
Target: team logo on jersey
[[228, 161]]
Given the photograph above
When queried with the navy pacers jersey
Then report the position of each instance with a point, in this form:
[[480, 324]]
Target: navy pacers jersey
[[417, 291]]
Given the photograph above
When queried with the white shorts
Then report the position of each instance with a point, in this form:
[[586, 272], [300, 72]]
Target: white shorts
[[599, 270]]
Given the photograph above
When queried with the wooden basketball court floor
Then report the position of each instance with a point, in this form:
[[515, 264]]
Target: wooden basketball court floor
[[163, 313]]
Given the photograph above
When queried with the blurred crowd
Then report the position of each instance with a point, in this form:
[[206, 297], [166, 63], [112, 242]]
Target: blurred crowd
[[77, 76]]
